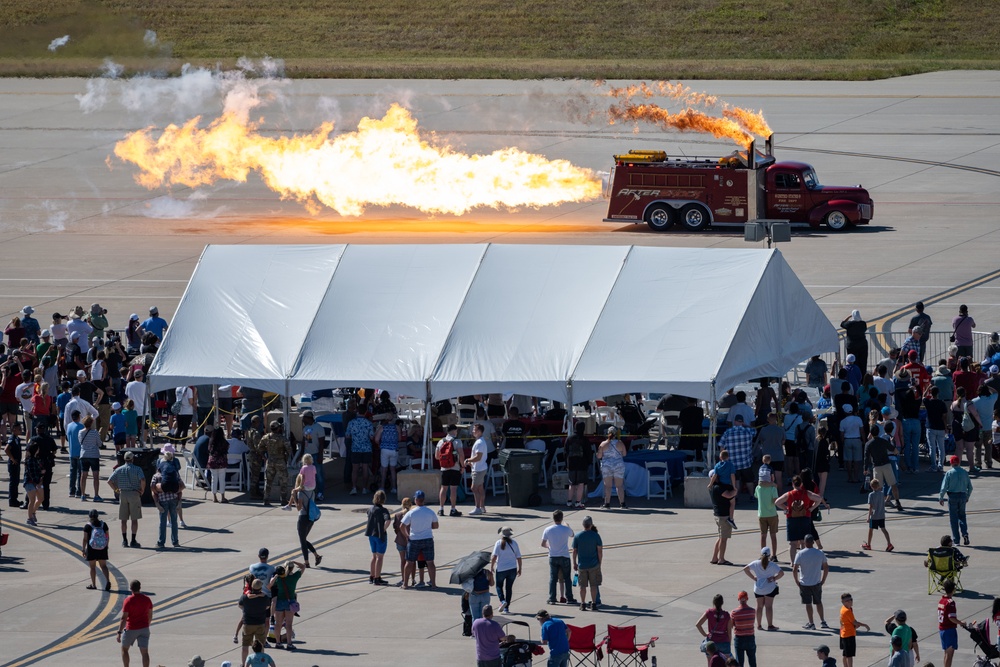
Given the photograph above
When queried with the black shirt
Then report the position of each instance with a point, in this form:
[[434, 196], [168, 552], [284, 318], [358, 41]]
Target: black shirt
[[908, 404], [87, 391], [256, 609], [377, 516], [840, 400], [877, 452], [513, 432], [692, 419], [46, 450], [937, 412], [720, 504], [579, 453]]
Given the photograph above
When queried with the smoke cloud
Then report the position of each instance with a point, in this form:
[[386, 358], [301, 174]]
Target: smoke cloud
[[58, 42]]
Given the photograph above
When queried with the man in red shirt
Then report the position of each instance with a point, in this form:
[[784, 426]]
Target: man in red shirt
[[948, 622], [918, 372], [137, 615]]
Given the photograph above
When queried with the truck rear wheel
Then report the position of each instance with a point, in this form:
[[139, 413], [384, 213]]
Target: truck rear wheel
[[694, 218], [837, 221], [660, 218]]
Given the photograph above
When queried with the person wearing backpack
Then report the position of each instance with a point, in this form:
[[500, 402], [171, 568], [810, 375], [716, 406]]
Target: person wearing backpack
[[449, 454], [579, 460], [95, 549]]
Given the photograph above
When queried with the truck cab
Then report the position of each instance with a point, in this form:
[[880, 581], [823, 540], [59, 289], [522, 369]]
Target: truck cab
[[793, 193]]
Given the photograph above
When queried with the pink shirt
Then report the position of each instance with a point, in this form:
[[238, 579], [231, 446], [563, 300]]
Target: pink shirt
[[308, 476]]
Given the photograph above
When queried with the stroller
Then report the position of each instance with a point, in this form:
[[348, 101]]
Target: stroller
[[518, 652], [980, 634]]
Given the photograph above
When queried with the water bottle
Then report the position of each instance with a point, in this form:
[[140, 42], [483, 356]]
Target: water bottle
[[576, 579]]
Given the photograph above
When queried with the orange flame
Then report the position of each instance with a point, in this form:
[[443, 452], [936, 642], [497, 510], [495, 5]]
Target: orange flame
[[384, 162], [736, 123]]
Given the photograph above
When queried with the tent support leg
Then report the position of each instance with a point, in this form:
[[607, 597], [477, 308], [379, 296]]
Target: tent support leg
[[215, 405], [713, 408], [285, 405], [146, 437], [427, 428]]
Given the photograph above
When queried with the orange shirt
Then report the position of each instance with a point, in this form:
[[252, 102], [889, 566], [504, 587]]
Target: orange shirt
[[847, 628]]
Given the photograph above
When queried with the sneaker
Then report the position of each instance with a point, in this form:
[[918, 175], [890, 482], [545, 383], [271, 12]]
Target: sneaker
[[182, 524], [319, 559], [824, 625], [976, 469], [965, 540], [421, 585], [124, 543], [503, 608], [441, 512], [476, 512], [160, 545], [583, 606], [889, 548], [563, 600], [354, 492], [287, 508], [809, 626], [580, 506], [134, 544], [732, 523], [176, 545], [594, 606], [98, 499], [866, 546], [381, 582], [623, 506], [553, 601], [454, 512], [606, 506], [83, 497]]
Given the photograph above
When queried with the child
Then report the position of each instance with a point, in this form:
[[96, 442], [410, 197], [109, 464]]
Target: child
[[948, 622], [824, 402], [823, 653], [304, 481], [131, 423], [118, 426], [767, 514], [849, 629], [876, 516], [724, 473]]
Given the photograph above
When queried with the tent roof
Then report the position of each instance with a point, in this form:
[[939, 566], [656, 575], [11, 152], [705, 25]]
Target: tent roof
[[461, 319]]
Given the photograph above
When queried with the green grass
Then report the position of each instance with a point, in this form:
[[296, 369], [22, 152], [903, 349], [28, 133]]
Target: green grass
[[664, 39]]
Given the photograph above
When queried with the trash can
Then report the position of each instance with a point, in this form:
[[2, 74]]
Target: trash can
[[145, 459], [521, 469]]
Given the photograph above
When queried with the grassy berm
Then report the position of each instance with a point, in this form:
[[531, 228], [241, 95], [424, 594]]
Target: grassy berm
[[663, 39]]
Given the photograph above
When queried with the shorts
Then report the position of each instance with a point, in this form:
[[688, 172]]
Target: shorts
[[725, 530], [129, 505], [768, 524], [796, 528], [590, 577], [849, 646], [777, 466], [791, 449], [139, 637], [577, 477], [10, 409], [613, 471], [401, 548], [884, 474], [745, 476], [876, 524], [811, 594], [88, 464], [949, 638], [361, 458], [252, 632], [120, 439], [377, 545], [417, 548], [972, 435], [772, 594], [852, 449], [478, 477], [390, 458], [451, 477], [283, 605], [29, 487]]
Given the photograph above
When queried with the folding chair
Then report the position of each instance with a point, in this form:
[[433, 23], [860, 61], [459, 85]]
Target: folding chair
[[658, 474], [695, 469], [622, 649], [582, 649], [941, 567], [194, 474], [234, 473]]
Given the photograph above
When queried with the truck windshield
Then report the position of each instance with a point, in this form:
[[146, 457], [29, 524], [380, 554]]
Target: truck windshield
[[809, 178]]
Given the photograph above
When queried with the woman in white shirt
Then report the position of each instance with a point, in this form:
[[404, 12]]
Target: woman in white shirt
[[185, 397], [765, 574], [506, 564]]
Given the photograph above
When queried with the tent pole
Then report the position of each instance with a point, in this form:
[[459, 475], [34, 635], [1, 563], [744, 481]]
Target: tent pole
[[285, 412], [146, 439], [427, 427], [568, 421], [215, 405], [712, 411]]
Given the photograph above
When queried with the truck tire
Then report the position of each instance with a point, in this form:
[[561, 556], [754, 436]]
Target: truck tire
[[837, 221], [694, 218], [660, 218]]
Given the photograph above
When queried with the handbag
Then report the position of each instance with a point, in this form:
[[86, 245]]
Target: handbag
[[817, 515], [314, 513], [865, 484], [294, 607], [175, 409], [967, 423]]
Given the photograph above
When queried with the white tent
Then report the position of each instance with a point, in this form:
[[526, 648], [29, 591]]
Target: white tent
[[439, 321]]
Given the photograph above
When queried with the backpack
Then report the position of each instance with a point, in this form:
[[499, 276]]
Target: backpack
[[170, 478], [98, 537], [801, 442], [447, 455]]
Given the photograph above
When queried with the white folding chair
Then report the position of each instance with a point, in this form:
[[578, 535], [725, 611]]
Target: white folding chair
[[496, 480], [537, 445], [639, 443], [194, 474], [658, 474], [695, 469], [234, 473]]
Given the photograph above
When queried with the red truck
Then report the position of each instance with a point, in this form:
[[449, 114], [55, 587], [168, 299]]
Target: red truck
[[696, 192]]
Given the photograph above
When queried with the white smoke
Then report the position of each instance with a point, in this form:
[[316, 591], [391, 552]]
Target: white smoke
[[149, 39], [171, 208], [58, 42], [98, 90], [46, 216]]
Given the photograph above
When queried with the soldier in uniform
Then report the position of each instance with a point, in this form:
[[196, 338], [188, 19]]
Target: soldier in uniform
[[276, 447], [255, 457]]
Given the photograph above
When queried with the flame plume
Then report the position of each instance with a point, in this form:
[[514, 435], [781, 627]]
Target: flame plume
[[688, 120], [384, 162]]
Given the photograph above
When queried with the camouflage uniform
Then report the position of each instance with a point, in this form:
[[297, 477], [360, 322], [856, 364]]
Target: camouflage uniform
[[277, 465], [255, 459]]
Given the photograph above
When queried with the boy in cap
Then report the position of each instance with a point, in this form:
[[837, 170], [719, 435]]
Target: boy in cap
[[823, 653], [767, 514], [907, 637], [117, 422]]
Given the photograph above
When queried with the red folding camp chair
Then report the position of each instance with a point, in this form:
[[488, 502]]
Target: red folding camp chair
[[583, 651], [622, 649]]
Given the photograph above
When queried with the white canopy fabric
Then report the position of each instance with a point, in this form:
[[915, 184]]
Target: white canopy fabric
[[439, 321]]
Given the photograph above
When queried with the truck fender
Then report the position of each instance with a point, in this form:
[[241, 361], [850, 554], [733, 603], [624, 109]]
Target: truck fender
[[849, 208], [677, 205]]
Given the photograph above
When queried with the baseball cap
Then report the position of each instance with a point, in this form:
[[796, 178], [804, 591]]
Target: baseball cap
[[912, 354], [81, 374], [263, 553], [851, 358], [419, 494], [153, 310], [886, 410], [74, 335], [994, 369], [764, 474], [848, 408], [742, 595], [900, 616], [93, 514], [738, 418], [542, 614], [257, 584], [129, 456], [116, 406], [953, 460], [766, 551], [133, 316], [452, 427], [822, 648], [45, 333]]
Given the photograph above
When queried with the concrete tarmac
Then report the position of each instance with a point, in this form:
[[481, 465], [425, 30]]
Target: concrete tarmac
[[75, 231]]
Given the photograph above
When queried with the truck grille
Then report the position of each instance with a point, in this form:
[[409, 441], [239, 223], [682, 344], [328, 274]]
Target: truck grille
[[866, 211]]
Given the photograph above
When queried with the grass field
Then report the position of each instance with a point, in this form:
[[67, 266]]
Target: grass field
[[820, 39]]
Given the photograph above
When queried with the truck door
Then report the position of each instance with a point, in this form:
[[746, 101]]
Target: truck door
[[787, 198]]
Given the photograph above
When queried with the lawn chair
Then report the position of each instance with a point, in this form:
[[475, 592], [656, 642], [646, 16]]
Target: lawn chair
[[622, 649], [941, 567], [583, 652]]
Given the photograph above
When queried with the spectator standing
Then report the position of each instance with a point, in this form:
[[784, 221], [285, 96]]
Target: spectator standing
[[218, 461], [555, 635], [256, 456], [488, 635], [154, 324], [722, 498], [90, 455], [877, 463], [377, 531], [907, 637], [965, 426], [948, 622], [767, 514], [937, 424], [136, 391], [810, 571], [588, 557], [129, 481], [720, 625], [765, 574], [33, 474], [823, 653], [361, 435], [876, 516], [744, 640], [958, 487], [286, 602], [962, 326], [738, 441], [816, 373], [851, 427], [611, 454], [478, 590], [579, 462], [256, 608], [984, 404], [798, 505], [277, 449], [314, 444], [166, 505], [387, 438], [849, 629], [857, 337], [922, 320], [401, 540], [450, 455], [478, 461], [96, 537], [137, 616], [556, 539], [506, 565], [15, 453], [771, 441], [262, 570], [419, 525], [259, 658]]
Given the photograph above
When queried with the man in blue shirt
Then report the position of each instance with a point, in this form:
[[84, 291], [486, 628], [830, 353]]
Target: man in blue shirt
[[588, 552], [957, 485], [73, 436], [555, 635], [155, 325]]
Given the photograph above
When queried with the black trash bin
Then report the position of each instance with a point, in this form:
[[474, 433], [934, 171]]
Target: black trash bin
[[521, 468], [146, 459]]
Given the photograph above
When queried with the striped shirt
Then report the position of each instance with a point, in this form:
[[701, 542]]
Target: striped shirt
[[127, 477], [744, 618]]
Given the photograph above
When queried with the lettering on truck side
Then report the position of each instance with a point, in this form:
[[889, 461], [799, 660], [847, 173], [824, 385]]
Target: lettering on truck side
[[664, 194]]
